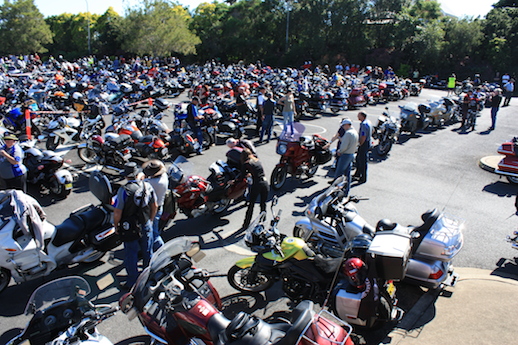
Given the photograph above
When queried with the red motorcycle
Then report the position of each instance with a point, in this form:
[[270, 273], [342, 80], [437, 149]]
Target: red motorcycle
[[177, 305], [508, 166], [300, 155], [195, 195]]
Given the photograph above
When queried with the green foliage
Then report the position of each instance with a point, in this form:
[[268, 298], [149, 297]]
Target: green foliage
[[22, 28], [158, 28], [501, 41], [106, 33]]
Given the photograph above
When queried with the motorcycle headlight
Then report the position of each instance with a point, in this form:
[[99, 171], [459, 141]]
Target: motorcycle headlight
[[281, 149]]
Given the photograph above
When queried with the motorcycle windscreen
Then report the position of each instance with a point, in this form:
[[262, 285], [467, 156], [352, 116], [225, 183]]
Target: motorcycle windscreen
[[62, 289]]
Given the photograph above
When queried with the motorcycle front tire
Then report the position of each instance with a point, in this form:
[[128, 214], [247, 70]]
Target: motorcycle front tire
[[278, 178], [238, 278], [87, 155], [384, 147]]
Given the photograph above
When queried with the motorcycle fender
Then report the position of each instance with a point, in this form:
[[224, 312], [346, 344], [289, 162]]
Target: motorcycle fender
[[246, 262], [82, 145], [64, 177]]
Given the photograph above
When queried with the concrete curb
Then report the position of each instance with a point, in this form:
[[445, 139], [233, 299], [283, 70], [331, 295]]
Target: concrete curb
[[412, 317], [489, 163]]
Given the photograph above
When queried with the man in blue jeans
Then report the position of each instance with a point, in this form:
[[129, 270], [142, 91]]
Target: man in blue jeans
[[363, 149], [348, 141], [134, 222]]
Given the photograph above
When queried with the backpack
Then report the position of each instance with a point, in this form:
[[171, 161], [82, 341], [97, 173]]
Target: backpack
[[136, 210]]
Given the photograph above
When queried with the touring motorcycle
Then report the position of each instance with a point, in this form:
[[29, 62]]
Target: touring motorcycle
[[332, 221], [177, 305], [61, 315], [31, 247]]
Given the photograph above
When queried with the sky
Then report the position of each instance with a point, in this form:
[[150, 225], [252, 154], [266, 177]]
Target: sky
[[458, 8]]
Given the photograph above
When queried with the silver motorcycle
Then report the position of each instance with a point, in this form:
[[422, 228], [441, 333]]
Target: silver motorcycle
[[386, 131], [332, 221]]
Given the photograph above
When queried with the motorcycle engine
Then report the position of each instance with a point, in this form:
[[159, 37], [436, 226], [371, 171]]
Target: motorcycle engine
[[297, 289]]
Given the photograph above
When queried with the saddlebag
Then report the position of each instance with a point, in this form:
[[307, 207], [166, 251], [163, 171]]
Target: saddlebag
[[390, 251]]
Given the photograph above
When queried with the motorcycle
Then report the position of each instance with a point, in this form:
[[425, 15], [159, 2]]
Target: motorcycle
[[413, 118], [195, 195], [332, 221], [442, 111], [111, 152], [356, 98], [61, 315], [46, 169], [338, 101], [508, 166], [299, 155], [386, 131], [33, 248], [177, 305]]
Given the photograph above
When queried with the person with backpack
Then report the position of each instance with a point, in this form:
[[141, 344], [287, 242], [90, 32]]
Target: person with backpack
[[134, 210], [155, 173]]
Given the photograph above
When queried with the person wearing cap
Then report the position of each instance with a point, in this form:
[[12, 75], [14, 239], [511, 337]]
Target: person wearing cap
[[496, 99], [193, 116], [12, 170], [128, 216], [252, 167], [364, 147], [154, 170], [347, 138]]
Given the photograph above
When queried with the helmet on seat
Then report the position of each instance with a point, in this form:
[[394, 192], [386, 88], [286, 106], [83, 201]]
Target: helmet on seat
[[356, 272]]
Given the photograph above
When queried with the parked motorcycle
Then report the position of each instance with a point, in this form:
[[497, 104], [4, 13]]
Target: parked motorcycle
[[45, 168], [300, 155], [332, 221], [338, 100], [33, 248], [61, 315], [441, 112], [386, 131], [356, 98], [112, 152], [508, 166], [195, 195], [177, 305], [64, 130], [413, 118]]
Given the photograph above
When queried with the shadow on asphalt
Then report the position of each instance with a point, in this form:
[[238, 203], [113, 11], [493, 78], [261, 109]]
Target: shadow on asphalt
[[502, 189], [507, 268]]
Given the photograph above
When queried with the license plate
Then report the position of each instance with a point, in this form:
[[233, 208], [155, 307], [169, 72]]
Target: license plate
[[68, 186], [391, 289]]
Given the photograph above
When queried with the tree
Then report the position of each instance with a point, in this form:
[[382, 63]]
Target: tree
[[158, 28], [22, 28], [107, 33]]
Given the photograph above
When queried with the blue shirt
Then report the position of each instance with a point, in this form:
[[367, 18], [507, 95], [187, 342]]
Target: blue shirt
[[8, 170]]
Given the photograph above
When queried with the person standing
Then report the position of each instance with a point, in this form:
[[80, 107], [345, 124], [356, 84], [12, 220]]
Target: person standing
[[135, 207], [288, 110], [452, 80], [193, 118], [348, 141], [496, 99], [12, 170], [252, 167], [260, 109], [154, 170], [508, 92], [363, 148], [268, 109]]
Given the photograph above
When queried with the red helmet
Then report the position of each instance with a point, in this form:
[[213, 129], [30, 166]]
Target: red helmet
[[356, 272]]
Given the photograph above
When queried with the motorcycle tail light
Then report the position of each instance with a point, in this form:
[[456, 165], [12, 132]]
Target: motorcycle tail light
[[436, 275], [40, 167], [68, 161]]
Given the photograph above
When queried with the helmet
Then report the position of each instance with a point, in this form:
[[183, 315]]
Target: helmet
[[77, 96], [356, 272]]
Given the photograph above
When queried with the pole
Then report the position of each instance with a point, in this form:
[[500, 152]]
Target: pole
[[287, 26], [88, 14]]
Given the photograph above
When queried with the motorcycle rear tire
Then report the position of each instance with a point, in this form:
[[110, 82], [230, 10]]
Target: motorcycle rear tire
[[278, 178], [512, 179], [87, 155], [53, 143], [58, 188], [238, 279], [207, 141], [383, 314], [238, 133], [384, 147], [313, 167], [335, 110], [5, 278]]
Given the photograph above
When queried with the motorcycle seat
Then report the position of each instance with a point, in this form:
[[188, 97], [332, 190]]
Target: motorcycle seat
[[429, 218], [68, 231], [300, 317], [385, 224], [328, 265]]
